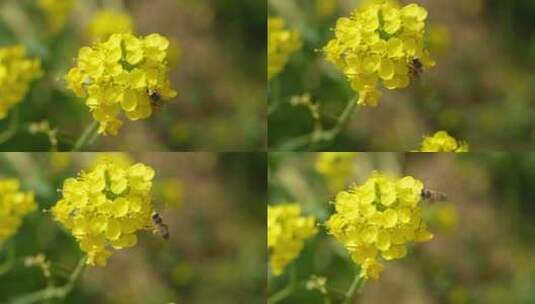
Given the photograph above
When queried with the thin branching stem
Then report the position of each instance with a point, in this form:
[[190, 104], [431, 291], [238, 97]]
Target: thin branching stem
[[288, 290], [53, 292], [86, 137], [12, 128], [323, 136], [10, 259], [355, 287]]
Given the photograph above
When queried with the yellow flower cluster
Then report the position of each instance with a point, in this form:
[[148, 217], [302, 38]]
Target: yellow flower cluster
[[16, 73], [336, 167], [287, 232], [14, 205], [56, 13], [122, 73], [381, 217], [171, 191], [380, 42], [441, 141], [281, 44], [108, 22], [105, 207]]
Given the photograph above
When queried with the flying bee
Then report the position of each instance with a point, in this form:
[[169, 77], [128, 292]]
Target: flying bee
[[155, 100], [161, 228], [433, 196], [416, 68]]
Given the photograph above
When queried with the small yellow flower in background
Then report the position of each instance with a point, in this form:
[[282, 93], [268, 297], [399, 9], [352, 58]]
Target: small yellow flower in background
[[379, 219], [174, 53], [336, 167], [380, 42], [441, 141], [123, 74], [438, 38], [56, 12], [287, 232], [183, 273], [108, 22], [324, 8], [17, 71], [60, 161], [120, 158], [171, 191], [443, 217], [14, 205], [105, 207], [179, 131], [281, 44]]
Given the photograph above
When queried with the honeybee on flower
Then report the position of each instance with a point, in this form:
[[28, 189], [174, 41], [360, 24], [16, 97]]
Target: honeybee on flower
[[104, 207], [380, 43], [122, 75]]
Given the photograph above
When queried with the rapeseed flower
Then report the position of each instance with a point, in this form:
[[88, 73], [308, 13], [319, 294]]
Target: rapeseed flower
[[122, 74], [380, 42], [379, 219], [441, 141], [281, 44], [105, 207], [336, 167], [17, 71], [108, 22], [56, 12], [287, 232], [14, 205]]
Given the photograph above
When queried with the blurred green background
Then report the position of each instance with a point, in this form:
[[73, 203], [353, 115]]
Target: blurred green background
[[482, 251], [214, 205], [220, 76], [481, 89]]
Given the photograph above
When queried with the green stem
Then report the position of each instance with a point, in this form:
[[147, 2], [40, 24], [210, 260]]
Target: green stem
[[275, 94], [10, 259], [355, 287], [53, 292], [86, 136], [324, 136], [288, 290], [12, 128]]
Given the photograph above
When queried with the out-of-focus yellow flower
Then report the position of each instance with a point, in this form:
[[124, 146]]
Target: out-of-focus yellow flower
[[17, 71], [108, 22], [105, 207], [336, 167], [14, 205], [471, 8], [123, 74], [171, 191], [441, 141], [56, 12], [183, 273], [179, 131], [438, 38], [380, 42], [287, 232], [379, 218], [443, 217], [174, 53], [324, 8], [123, 159], [60, 161], [281, 44]]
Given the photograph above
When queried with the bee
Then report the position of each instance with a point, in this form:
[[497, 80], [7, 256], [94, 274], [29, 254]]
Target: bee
[[161, 228], [433, 196], [416, 68], [155, 100]]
